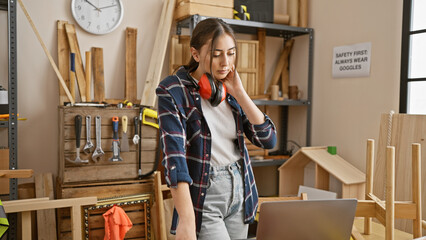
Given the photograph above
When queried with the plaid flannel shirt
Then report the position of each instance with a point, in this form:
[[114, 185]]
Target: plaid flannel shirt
[[186, 142]]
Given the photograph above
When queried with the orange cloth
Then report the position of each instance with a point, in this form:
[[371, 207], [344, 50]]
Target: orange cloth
[[117, 223]]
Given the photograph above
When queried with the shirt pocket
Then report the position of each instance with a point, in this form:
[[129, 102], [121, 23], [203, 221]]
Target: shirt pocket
[[193, 124]]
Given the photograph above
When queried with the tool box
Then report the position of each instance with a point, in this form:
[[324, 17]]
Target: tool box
[[121, 193], [218, 8], [259, 10], [104, 169]]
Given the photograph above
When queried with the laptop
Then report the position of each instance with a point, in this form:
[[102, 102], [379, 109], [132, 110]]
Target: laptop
[[306, 220]]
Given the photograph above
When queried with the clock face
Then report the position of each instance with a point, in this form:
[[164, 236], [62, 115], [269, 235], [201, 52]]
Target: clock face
[[97, 16]]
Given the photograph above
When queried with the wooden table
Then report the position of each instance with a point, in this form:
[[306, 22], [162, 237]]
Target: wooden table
[[378, 231]]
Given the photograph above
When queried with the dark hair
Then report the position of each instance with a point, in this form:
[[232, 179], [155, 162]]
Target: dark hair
[[210, 28]]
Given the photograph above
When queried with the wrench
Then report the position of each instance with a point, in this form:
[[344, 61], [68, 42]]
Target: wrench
[[98, 153], [77, 160], [115, 142], [89, 145], [136, 137]]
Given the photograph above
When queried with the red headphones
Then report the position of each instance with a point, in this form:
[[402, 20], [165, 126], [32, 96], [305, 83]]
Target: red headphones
[[212, 90]]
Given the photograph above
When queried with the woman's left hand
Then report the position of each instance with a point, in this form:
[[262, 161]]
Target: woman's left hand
[[233, 83]]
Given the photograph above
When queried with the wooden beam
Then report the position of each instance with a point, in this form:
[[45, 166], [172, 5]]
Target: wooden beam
[[98, 74], [390, 192], [417, 188], [365, 208], [63, 59], [159, 51], [322, 178], [79, 70], [369, 180], [261, 37], [34, 205], [131, 66], [18, 173]]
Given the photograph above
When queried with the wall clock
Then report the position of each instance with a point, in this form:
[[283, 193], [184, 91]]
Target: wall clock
[[97, 16]]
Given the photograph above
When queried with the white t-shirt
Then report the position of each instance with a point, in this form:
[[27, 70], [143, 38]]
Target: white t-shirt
[[223, 131]]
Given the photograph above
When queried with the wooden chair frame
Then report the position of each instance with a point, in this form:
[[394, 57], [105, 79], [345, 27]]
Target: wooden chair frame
[[387, 211]]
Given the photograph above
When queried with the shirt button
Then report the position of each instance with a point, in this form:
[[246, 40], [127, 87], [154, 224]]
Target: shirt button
[[205, 174], [239, 131], [197, 98], [208, 134], [202, 194], [207, 155]]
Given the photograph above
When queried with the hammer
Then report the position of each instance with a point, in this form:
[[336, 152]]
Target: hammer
[[78, 120]]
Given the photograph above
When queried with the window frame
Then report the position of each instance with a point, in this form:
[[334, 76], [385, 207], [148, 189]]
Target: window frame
[[405, 52]]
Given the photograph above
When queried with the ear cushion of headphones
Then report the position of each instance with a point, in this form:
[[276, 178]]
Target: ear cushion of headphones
[[207, 87], [220, 94]]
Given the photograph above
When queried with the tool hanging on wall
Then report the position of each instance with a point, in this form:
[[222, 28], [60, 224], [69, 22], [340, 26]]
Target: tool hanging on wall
[[98, 153], [78, 160], [136, 136], [115, 141], [89, 145], [142, 114], [124, 138]]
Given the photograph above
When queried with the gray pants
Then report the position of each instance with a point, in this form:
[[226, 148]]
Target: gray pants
[[223, 212]]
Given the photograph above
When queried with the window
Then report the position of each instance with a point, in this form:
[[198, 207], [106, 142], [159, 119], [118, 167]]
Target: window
[[413, 58]]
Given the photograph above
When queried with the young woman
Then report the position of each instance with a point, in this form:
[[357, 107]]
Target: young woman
[[204, 113]]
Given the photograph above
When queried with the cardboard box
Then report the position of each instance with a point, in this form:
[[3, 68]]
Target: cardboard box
[[220, 8]]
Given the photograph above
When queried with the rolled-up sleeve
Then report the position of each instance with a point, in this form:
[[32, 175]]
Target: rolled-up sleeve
[[172, 139], [262, 135]]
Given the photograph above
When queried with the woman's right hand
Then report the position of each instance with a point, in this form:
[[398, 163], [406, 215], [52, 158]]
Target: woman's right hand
[[186, 230]]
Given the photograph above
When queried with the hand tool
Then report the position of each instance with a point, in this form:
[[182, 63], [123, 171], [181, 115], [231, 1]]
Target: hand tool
[[98, 153], [87, 104], [150, 113], [77, 160], [153, 114], [115, 141], [72, 74], [89, 145], [124, 138], [136, 136]]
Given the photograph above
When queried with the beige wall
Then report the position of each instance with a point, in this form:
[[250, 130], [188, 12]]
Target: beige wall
[[345, 111]]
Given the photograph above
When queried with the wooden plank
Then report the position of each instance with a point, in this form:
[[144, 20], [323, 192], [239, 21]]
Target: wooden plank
[[292, 177], [159, 200], [281, 62], [4, 165], [322, 178], [105, 173], [106, 189], [131, 66], [88, 74], [390, 193], [29, 205], [46, 219], [26, 225], [18, 173], [416, 177], [157, 57], [98, 74], [369, 180], [63, 59], [261, 37], [75, 48]]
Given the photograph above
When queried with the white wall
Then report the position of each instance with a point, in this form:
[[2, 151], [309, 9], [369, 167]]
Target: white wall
[[345, 111]]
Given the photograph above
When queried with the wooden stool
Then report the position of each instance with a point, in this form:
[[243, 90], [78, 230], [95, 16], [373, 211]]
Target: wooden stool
[[387, 211]]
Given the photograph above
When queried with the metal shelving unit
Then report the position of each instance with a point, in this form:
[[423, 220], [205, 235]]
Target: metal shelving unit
[[273, 30], [12, 125]]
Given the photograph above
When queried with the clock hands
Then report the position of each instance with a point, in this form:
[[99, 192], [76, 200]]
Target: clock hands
[[93, 5], [108, 6]]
